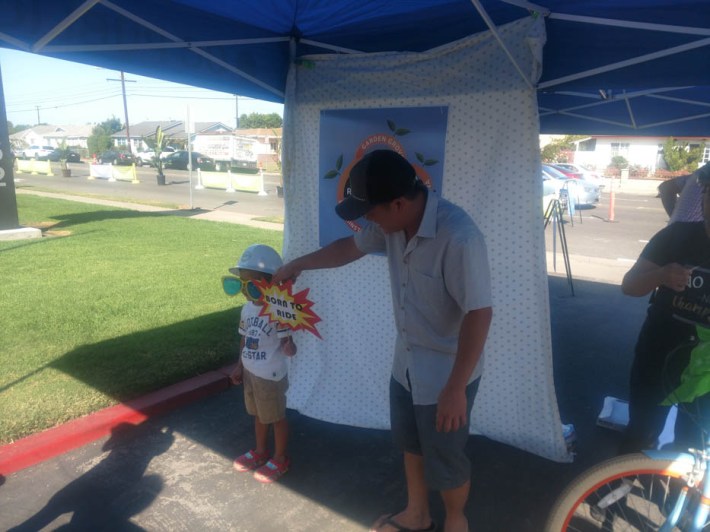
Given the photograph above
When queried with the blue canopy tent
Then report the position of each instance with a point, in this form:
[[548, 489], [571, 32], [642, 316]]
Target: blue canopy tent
[[637, 67], [606, 64]]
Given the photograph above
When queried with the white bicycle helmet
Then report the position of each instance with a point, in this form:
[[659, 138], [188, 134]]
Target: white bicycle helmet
[[260, 258]]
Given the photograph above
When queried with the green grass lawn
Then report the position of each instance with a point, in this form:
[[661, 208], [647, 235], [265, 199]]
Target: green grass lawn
[[109, 305]]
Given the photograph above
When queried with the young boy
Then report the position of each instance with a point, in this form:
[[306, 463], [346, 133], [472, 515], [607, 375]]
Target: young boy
[[262, 368]]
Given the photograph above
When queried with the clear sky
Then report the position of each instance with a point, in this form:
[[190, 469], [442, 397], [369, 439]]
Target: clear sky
[[66, 93]]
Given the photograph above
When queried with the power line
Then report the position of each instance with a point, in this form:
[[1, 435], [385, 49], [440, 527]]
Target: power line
[[44, 108]]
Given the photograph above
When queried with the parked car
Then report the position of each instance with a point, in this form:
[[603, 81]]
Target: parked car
[[146, 157], [571, 174], [116, 158], [37, 152], [586, 174], [580, 191], [179, 160], [72, 156]]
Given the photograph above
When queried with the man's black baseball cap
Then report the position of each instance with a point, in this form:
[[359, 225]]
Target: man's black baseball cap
[[379, 177]]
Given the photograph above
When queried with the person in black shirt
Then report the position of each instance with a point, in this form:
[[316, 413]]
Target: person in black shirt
[[675, 268]]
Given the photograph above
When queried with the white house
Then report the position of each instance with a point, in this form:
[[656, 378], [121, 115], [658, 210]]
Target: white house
[[596, 152], [174, 130], [51, 135], [267, 145]]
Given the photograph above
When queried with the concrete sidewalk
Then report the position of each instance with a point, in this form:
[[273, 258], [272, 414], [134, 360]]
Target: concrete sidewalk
[[214, 215]]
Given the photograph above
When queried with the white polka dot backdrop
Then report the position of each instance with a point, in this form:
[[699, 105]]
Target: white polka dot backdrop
[[491, 170]]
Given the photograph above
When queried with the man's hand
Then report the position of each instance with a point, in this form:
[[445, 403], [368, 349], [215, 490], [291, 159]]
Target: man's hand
[[288, 346], [288, 271], [451, 410], [675, 276], [237, 376]]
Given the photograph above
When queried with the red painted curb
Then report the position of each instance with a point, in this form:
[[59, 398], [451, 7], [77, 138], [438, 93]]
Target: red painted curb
[[58, 440]]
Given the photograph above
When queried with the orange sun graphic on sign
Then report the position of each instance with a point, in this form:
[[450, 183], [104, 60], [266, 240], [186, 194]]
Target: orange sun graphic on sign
[[282, 306]]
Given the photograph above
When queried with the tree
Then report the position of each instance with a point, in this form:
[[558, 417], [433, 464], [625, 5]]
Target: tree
[[619, 161], [157, 144], [554, 151], [14, 129], [680, 156], [100, 139], [260, 120]]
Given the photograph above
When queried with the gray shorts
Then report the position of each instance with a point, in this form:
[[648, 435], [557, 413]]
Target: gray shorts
[[446, 465], [265, 399]]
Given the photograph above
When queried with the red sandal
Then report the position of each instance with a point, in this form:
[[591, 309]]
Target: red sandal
[[250, 460], [272, 471]]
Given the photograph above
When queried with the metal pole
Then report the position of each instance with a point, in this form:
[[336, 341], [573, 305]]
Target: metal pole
[[189, 154], [236, 105], [8, 199], [125, 112]]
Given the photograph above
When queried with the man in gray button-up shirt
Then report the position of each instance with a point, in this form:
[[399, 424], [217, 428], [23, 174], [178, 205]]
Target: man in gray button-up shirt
[[442, 307]]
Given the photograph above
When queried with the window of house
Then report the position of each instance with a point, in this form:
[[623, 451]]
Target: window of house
[[587, 145], [619, 148], [706, 154]]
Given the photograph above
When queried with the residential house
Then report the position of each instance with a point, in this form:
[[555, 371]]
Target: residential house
[[267, 145], [174, 131], [51, 135], [645, 153]]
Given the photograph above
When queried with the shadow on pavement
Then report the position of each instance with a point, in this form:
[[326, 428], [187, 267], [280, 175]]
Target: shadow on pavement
[[106, 496], [342, 477]]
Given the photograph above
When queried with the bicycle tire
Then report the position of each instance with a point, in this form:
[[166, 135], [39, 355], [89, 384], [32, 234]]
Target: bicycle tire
[[643, 508]]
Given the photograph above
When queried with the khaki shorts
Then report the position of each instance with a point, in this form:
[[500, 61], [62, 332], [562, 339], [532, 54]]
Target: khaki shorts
[[265, 399]]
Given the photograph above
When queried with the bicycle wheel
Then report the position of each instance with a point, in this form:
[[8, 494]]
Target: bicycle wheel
[[631, 492]]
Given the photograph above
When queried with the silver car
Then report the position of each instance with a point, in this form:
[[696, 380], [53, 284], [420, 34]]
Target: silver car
[[580, 191]]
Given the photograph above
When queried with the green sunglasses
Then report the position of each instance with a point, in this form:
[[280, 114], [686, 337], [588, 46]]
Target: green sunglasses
[[233, 286]]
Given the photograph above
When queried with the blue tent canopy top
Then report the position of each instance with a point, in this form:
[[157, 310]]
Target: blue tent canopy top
[[633, 67]]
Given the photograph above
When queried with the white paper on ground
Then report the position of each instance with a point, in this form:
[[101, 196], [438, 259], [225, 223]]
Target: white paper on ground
[[615, 415]]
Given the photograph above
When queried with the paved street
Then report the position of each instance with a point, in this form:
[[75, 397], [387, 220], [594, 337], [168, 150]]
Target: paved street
[[599, 249], [603, 249], [176, 193]]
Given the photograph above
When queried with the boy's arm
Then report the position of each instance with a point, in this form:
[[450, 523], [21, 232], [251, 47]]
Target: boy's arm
[[238, 372], [288, 346]]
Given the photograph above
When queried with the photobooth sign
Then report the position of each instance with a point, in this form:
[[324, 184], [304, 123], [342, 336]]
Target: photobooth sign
[[282, 306], [416, 133]]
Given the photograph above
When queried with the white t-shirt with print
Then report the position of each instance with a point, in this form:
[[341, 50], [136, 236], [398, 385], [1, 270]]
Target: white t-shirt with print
[[262, 354]]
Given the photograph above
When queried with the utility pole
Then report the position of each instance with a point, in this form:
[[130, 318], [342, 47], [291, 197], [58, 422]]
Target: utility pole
[[236, 104], [37, 107], [125, 112], [125, 107]]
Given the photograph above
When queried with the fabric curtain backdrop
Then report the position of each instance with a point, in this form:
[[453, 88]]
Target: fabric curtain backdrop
[[491, 170]]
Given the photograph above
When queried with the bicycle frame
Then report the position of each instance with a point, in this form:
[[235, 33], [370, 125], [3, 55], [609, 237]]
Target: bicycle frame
[[696, 462]]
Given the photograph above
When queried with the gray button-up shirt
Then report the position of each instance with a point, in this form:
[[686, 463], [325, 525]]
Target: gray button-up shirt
[[437, 277]]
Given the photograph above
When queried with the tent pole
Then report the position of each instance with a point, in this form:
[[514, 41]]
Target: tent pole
[[8, 199], [629, 62], [494, 30]]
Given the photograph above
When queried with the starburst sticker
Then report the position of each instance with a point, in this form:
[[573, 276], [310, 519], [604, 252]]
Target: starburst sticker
[[281, 305]]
